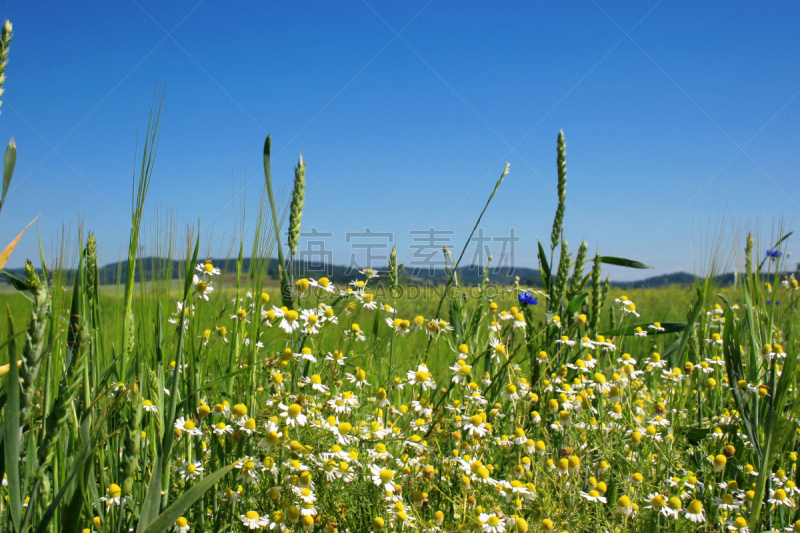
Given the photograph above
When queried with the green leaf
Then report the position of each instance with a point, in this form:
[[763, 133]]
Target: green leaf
[[575, 304], [75, 310], [695, 435], [12, 431], [152, 501], [726, 300], [8, 169], [619, 261], [669, 327], [733, 366], [71, 519], [20, 285], [544, 268], [187, 282], [782, 239], [167, 519]]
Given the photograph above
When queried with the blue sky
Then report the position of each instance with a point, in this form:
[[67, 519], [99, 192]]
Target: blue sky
[[678, 116]]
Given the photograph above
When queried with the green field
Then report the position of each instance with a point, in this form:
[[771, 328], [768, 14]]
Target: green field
[[198, 404]]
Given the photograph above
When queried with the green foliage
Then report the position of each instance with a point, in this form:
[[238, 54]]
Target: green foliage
[[202, 405]]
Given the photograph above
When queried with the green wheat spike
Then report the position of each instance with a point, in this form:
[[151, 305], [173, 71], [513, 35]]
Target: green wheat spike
[[296, 209], [597, 293], [748, 255], [5, 40], [576, 284], [393, 270], [561, 162], [560, 287], [34, 341]]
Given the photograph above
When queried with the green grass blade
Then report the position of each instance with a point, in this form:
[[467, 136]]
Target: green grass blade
[[75, 310], [12, 431], [286, 289], [620, 261], [167, 519], [733, 365], [544, 268], [575, 304], [152, 501], [21, 285], [8, 169]]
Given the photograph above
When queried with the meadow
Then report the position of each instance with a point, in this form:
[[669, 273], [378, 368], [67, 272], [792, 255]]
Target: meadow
[[231, 406]]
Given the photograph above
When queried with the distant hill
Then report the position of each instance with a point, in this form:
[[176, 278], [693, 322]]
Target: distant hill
[[154, 267]]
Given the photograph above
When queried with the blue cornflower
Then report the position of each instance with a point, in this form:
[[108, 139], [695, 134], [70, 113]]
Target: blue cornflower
[[773, 254], [526, 298]]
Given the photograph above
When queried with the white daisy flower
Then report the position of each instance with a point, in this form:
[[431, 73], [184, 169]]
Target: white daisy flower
[[293, 414], [252, 520]]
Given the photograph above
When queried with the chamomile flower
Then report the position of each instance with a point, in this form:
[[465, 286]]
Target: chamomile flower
[[190, 471], [114, 496], [187, 426], [181, 525], [491, 523], [354, 333], [200, 288], [241, 314], [184, 312], [565, 340], [498, 348], [316, 383], [382, 477], [367, 299], [293, 414], [322, 283], [740, 526], [369, 273], [221, 429], [593, 496], [358, 378], [207, 268], [289, 322], [336, 357], [252, 520], [399, 325], [694, 512], [779, 497], [421, 376]]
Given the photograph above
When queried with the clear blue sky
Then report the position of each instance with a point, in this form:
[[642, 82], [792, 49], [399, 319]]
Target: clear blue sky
[[675, 113]]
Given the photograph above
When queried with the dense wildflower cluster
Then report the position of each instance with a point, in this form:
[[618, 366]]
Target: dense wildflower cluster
[[533, 423], [349, 407]]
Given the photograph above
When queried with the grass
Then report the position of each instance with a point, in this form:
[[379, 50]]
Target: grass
[[203, 405]]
